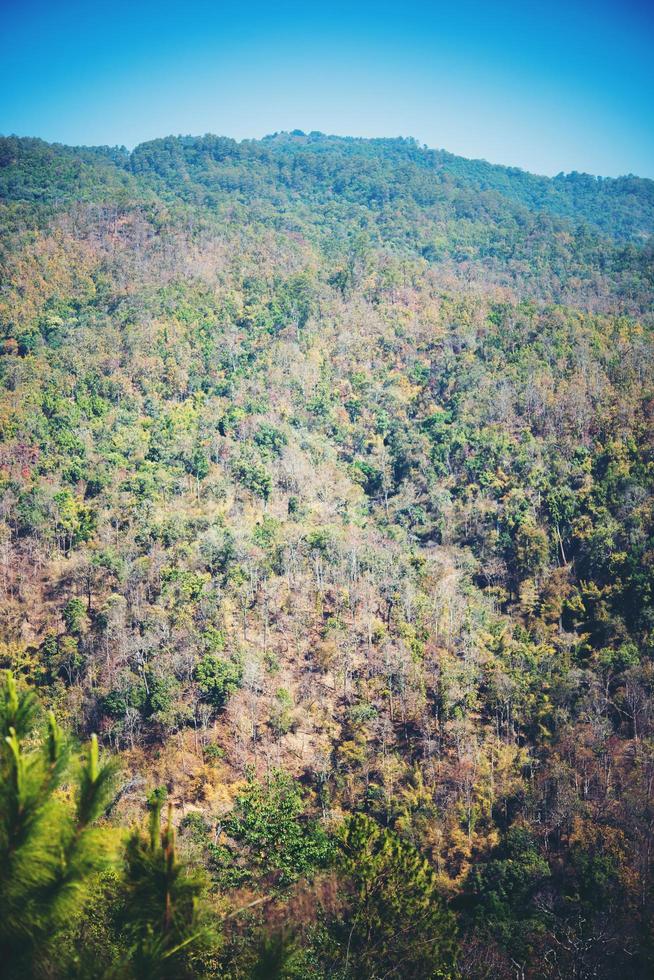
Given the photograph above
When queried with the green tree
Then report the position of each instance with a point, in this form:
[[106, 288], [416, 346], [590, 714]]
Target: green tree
[[503, 890], [163, 917], [270, 824], [50, 846], [218, 678], [397, 925], [74, 615]]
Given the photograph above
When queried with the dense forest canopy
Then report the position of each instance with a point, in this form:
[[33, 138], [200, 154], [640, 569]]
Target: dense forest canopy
[[326, 503]]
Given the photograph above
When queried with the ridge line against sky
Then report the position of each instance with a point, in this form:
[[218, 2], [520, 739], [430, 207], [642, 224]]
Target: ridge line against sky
[[329, 136], [548, 88]]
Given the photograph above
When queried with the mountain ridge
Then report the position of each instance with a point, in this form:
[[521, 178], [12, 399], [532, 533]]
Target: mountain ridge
[[574, 196]]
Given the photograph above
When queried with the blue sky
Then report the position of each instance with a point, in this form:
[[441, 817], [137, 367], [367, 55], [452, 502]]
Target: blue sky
[[545, 86]]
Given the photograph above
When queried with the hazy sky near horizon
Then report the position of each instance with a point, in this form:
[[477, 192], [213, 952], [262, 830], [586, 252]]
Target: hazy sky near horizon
[[545, 86]]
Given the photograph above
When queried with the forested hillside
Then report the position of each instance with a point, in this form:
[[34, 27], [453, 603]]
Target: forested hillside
[[326, 478]]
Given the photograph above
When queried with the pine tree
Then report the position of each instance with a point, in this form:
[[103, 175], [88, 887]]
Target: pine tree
[[397, 926], [50, 848], [163, 915]]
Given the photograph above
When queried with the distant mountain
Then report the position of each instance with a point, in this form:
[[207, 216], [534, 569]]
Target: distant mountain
[[379, 172], [544, 237], [374, 173]]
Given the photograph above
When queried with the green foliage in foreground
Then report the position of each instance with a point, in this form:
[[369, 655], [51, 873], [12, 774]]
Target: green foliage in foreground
[[49, 845], [54, 847], [162, 916]]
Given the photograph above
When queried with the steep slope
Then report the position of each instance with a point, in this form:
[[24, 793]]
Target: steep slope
[[336, 456]]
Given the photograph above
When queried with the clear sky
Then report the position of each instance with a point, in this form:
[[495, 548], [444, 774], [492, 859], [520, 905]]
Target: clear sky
[[545, 86]]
